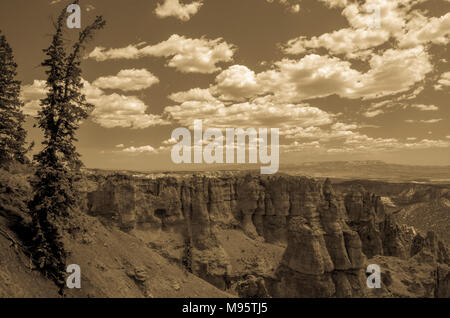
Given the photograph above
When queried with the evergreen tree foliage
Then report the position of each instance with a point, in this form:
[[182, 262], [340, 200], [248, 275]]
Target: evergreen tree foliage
[[58, 163], [12, 133]]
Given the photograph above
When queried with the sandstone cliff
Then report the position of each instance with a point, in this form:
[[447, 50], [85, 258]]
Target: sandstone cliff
[[326, 237]]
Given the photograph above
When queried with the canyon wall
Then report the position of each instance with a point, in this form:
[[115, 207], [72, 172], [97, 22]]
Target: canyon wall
[[327, 236]]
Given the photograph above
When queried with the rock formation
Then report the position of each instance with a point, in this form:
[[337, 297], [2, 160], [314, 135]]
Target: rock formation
[[328, 236]]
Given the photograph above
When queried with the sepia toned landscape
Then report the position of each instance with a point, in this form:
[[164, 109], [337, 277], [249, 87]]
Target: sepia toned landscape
[[224, 149]]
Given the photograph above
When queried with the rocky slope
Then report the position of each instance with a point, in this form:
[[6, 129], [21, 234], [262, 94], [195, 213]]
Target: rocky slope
[[113, 263], [225, 234]]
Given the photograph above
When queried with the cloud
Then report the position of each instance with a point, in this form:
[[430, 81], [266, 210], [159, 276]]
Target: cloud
[[100, 54], [173, 8], [258, 113], [394, 71], [114, 110], [309, 128], [236, 83], [334, 3], [194, 94], [292, 5], [398, 21], [373, 113], [424, 121], [423, 107], [315, 76], [31, 95], [344, 41], [444, 80], [364, 143], [184, 54], [323, 134], [142, 149], [354, 143], [128, 80], [123, 111], [422, 30]]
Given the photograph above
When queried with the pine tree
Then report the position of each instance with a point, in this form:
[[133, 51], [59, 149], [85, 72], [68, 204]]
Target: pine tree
[[12, 133], [58, 163]]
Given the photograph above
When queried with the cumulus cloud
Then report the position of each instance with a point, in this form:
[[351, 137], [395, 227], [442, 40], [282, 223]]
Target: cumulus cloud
[[315, 76], [237, 82], [184, 54], [422, 30], [113, 110], [444, 81], [117, 110], [128, 80], [398, 20], [173, 8], [394, 71], [31, 95]]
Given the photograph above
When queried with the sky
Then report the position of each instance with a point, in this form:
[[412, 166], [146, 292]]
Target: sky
[[341, 79]]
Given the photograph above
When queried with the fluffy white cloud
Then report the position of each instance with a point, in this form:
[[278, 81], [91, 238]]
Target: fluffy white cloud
[[444, 81], [31, 95], [314, 76], [236, 83], [117, 110], [394, 71], [110, 111], [422, 30], [173, 8], [423, 107], [128, 80], [185, 54], [398, 20]]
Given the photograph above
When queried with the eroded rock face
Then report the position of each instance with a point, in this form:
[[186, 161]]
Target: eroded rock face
[[327, 236], [324, 256], [430, 249], [379, 234]]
